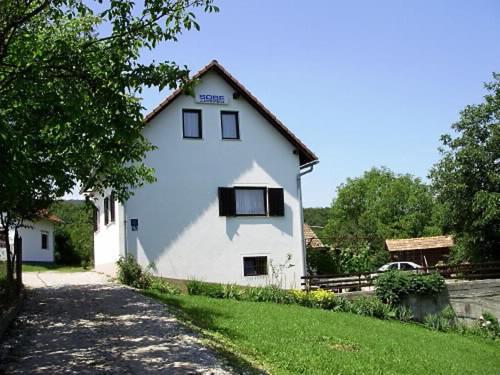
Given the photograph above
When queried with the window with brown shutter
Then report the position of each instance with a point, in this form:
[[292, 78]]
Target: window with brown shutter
[[112, 208], [106, 211], [276, 202], [96, 219], [227, 202]]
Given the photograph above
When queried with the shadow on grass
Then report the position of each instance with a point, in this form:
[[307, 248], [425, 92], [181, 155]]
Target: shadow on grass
[[205, 318]]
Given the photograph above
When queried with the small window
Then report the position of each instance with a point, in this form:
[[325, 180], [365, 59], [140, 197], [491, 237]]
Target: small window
[[45, 241], [250, 201], [254, 266], [96, 219], [230, 125], [106, 211], [112, 208], [191, 123]]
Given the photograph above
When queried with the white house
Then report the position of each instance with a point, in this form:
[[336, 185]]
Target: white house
[[226, 206], [38, 240]]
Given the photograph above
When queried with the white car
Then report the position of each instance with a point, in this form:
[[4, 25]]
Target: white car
[[402, 266]]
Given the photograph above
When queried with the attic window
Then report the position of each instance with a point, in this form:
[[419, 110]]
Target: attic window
[[230, 125], [191, 123]]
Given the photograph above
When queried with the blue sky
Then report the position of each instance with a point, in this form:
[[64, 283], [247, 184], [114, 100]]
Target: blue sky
[[362, 83]]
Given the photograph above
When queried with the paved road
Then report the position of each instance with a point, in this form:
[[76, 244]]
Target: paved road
[[79, 323]]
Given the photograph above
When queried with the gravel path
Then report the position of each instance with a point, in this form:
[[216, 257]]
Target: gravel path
[[79, 323]]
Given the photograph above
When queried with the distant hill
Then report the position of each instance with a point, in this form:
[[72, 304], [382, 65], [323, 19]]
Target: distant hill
[[74, 201], [316, 216]]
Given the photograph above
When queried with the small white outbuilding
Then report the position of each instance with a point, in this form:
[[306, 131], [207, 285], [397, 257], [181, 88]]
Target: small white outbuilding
[[37, 238]]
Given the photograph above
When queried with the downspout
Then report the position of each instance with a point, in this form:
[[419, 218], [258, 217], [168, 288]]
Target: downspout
[[125, 238], [310, 167]]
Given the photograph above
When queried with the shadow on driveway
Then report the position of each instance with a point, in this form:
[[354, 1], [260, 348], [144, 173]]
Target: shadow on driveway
[[95, 329]]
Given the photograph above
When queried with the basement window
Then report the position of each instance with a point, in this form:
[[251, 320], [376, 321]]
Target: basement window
[[255, 266]]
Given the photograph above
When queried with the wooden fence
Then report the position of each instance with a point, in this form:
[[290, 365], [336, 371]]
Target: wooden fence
[[356, 281]]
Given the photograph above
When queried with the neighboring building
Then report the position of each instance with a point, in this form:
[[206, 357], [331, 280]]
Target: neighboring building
[[38, 239], [312, 241], [227, 202], [425, 251]]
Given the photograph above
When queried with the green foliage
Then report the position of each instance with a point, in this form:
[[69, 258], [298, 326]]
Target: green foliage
[[71, 76], [358, 257], [371, 306], [290, 339], [322, 262], [163, 286], [467, 179], [376, 206], [392, 286], [74, 238], [132, 274], [316, 217], [403, 313]]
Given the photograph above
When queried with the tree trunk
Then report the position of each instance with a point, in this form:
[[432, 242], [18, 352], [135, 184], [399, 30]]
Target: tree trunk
[[18, 251]]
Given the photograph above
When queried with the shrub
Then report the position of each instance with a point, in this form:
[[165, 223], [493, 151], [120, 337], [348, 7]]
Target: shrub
[[371, 306], [200, 288], [403, 313], [489, 323], [445, 320], [392, 286], [323, 299], [132, 274], [267, 294], [163, 286]]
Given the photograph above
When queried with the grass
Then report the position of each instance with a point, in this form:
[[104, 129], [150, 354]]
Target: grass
[[289, 339], [44, 267]]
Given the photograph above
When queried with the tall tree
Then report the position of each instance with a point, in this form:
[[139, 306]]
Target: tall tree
[[70, 110], [376, 206], [467, 178]]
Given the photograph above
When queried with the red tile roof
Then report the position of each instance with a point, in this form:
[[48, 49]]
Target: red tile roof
[[311, 238], [305, 154], [421, 243], [45, 214]]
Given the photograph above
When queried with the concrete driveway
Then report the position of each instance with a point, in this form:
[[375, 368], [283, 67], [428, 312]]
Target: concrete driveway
[[80, 323]]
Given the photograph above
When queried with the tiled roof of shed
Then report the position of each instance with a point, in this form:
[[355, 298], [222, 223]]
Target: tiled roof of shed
[[311, 239], [421, 243]]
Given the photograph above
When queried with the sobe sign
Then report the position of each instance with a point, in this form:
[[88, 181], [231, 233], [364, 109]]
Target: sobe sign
[[211, 99]]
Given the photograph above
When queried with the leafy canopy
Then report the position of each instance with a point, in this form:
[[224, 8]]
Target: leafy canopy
[[374, 207], [467, 178], [70, 80]]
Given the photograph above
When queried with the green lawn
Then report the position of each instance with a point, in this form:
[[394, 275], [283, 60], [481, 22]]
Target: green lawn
[[288, 339], [43, 267]]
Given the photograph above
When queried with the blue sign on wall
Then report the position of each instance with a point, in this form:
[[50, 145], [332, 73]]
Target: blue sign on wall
[[211, 99]]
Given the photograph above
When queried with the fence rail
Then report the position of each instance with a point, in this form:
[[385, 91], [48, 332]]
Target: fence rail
[[356, 281]]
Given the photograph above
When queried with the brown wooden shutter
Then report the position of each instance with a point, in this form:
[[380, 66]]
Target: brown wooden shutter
[[227, 202], [106, 211], [112, 207], [96, 219], [276, 202]]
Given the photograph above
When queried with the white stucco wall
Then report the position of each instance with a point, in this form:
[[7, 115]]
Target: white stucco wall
[[32, 242], [108, 239], [180, 229]]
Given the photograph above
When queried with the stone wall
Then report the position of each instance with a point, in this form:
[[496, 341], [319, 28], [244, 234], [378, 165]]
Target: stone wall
[[467, 298]]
